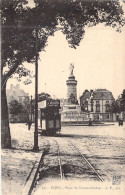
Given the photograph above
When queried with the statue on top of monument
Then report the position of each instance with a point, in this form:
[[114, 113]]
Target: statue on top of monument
[[71, 69]]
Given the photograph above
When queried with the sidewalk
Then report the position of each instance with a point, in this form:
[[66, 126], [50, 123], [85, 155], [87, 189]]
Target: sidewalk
[[87, 124], [17, 163]]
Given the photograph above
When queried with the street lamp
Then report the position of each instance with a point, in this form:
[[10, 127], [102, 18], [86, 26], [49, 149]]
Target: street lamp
[[102, 108], [36, 147]]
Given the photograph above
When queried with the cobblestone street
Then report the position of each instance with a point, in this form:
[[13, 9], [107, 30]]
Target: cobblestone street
[[102, 146]]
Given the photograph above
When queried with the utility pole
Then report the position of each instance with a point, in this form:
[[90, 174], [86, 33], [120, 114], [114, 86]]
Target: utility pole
[[102, 109], [31, 108], [36, 147]]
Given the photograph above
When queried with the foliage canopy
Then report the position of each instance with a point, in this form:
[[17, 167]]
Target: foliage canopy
[[19, 23]]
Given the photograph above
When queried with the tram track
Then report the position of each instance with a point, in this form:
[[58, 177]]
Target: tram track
[[60, 162], [56, 164], [51, 164], [89, 164], [63, 172]]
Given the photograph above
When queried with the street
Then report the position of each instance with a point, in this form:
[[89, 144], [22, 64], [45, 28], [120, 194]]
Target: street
[[103, 147]]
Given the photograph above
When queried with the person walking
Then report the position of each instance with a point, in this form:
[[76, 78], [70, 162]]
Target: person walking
[[29, 124]]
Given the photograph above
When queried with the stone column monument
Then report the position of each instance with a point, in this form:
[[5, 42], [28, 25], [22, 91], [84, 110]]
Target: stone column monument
[[71, 85]]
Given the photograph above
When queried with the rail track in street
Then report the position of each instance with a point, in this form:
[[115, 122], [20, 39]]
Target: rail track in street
[[89, 164], [59, 165], [63, 172]]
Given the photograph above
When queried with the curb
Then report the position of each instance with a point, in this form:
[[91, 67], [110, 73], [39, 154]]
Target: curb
[[85, 125], [32, 177]]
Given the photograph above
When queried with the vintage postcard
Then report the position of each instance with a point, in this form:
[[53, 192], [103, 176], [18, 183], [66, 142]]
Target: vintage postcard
[[62, 97]]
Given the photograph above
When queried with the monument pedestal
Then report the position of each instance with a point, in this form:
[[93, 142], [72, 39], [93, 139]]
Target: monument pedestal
[[71, 113]]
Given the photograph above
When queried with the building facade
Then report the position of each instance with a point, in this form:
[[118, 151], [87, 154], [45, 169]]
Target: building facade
[[98, 104], [16, 93]]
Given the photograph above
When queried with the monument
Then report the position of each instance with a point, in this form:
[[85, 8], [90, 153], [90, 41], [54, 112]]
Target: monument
[[71, 110], [71, 87]]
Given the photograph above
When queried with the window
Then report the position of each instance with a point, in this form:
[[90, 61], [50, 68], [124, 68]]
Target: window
[[56, 112], [97, 102], [97, 116], [91, 107], [97, 108], [72, 107], [43, 114], [107, 116], [107, 108]]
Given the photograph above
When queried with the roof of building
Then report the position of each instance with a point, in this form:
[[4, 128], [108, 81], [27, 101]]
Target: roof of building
[[104, 94], [98, 94]]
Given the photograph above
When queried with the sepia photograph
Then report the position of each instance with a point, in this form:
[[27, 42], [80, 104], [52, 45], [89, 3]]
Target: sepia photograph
[[62, 97]]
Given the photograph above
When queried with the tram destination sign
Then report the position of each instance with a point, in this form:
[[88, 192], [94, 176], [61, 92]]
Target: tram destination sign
[[49, 103]]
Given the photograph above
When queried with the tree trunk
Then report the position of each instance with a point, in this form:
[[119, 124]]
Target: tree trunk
[[5, 129]]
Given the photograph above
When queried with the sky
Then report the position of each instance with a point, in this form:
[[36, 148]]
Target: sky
[[99, 62]]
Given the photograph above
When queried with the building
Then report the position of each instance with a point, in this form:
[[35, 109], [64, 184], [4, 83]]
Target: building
[[16, 93], [97, 104]]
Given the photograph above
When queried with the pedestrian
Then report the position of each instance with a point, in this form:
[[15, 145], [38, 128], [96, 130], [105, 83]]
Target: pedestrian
[[90, 122], [29, 124], [120, 122]]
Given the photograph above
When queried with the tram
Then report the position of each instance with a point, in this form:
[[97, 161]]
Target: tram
[[49, 118]]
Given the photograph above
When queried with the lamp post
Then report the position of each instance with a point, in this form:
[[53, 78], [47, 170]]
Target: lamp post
[[36, 147], [31, 108], [102, 108]]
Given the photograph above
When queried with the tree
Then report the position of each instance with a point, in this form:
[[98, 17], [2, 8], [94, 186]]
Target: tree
[[18, 46], [119, 105], [122, 101], [15, 107], [115, 107], [20, 23], [19, 109]]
